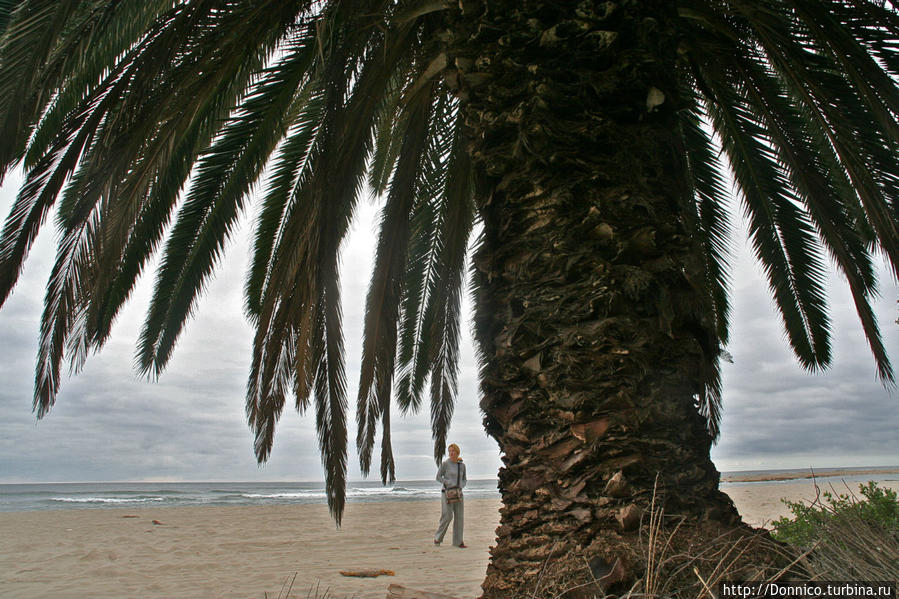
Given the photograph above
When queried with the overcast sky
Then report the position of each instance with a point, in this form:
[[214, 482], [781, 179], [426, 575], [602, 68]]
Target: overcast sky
[[109, 425]]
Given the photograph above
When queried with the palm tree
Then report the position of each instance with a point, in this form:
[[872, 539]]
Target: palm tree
[[582, 145]]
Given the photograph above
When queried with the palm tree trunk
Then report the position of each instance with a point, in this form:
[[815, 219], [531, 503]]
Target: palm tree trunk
[[593, 329]]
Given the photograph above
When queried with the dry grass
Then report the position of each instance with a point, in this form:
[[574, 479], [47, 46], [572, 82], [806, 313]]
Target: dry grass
[[850, 546], [314, 592], [680, 561], [676, 567], [855, 550], [679, 568]]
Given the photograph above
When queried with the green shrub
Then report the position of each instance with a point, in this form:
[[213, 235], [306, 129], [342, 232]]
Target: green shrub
[[879, 507], [846, 538]]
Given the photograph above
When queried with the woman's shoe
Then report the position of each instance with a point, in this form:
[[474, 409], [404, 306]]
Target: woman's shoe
[[463, 546], [436, 542]]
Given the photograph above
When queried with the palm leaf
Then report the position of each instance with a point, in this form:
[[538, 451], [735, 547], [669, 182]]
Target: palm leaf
[[42, 185], [6, 9], [225, 175], [330, 391], [817, 134], [84, 54], [445, 299], [713, 234], [313, 224], [379, 340], [430, 332], [33, 28], [843, 108], [826, 194], [289, 172], [782, 236]]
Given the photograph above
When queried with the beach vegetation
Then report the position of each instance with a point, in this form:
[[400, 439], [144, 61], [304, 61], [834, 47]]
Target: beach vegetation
[[877, 506], [846, 536], [565, 161]]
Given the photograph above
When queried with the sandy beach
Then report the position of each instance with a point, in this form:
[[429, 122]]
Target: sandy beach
[[870, 473], [760, 503], [253, 551]]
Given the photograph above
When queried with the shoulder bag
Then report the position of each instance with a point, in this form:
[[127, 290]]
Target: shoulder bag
[[454, 494]]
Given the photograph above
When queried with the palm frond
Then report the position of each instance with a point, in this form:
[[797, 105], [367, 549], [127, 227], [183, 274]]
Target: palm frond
[[445, 300], [6, 9], [877, 91], [823, 189], [429, 334], [875, 26], [225, 175], [422, 269], [858, 115], [110, 167], [290, 170], [330, 391], [713, 234], [62, 309], [388, 136], [828, 135], [413, 334], [33, 29], [401, 150], [42, 185], [781, 233], [282, 363], [382, 305], [82, 57], [303, 236], [712, 198]]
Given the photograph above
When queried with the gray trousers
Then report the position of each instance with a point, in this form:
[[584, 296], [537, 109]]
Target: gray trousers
[[454, 512]]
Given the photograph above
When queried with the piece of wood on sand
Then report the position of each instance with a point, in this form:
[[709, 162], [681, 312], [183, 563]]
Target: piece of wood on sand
[[398, 591], [366, 573]]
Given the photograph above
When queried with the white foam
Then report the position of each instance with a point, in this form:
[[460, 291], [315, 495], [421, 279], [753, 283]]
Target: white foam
[[107, 499], [285, 495]]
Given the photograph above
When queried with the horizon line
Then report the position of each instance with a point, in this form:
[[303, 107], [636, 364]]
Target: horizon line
[[352, 481]]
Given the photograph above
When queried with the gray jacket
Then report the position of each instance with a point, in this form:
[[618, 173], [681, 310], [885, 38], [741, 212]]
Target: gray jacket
[[450, 472]]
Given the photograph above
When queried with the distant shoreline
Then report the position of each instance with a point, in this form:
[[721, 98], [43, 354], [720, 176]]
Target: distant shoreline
[[795, 475]]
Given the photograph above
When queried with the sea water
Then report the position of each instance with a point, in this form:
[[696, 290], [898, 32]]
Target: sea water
[[48, 496]]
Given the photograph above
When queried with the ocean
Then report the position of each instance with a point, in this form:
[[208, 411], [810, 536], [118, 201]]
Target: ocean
[[54, 496], [50, 496]]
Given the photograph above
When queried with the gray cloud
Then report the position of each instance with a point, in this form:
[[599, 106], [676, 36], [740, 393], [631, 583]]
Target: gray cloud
[[110, 425], [777, 413]]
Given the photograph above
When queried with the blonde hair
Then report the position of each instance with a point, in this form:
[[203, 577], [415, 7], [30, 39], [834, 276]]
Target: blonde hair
[[453, 446]]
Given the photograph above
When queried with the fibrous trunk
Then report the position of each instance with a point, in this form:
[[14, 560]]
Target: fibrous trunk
[[594, 329]]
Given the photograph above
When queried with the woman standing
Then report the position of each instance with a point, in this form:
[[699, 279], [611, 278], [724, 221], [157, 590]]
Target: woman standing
[[451, 475]]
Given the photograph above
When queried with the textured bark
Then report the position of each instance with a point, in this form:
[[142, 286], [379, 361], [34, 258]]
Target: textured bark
[[592, 325]]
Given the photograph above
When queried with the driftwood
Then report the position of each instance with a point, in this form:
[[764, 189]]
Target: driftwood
[[366, 573], [397, 591]]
